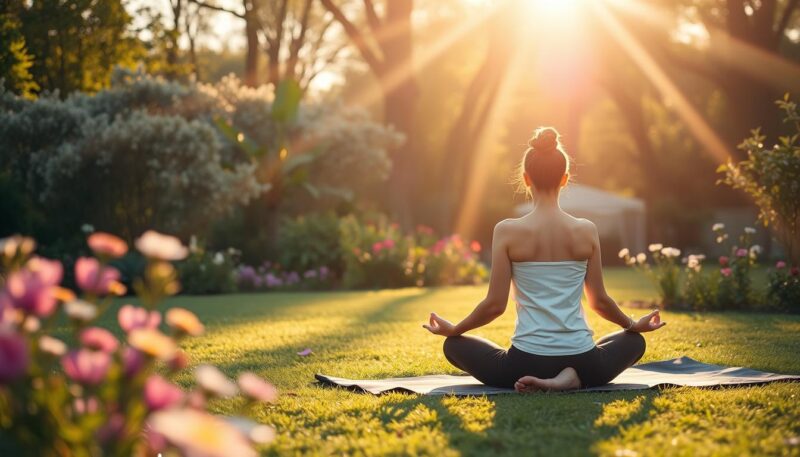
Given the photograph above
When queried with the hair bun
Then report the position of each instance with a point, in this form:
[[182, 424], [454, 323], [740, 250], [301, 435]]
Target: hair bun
[[544, 139]]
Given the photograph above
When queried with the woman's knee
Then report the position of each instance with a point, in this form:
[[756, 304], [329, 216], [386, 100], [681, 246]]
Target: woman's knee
[[639, 343]]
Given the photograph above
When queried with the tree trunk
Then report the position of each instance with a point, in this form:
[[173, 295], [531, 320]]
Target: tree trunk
[[251, 33]]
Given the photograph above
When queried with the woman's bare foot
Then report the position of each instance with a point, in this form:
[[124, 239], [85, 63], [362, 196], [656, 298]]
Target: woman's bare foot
[[566, 380]]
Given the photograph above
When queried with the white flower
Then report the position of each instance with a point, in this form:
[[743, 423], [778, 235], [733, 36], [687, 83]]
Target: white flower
[[87, 228], [755, 250], [693, 262], [641, 257], [80, 310], [749, 230], [655, 247], [219, 259], [214, 381], [722, 238], [670, 252], [630, 261], [52, 346], [162, 247], [718, 226], [624, 252], [198, 433]]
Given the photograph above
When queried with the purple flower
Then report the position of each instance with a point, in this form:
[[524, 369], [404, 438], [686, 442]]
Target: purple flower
[[132, 361], [292, 278], [742, 252], [31, 289], [13, 355], [99, 339], [85, 366], [324, 272], [310, 274], [160, 393], [95, 278]]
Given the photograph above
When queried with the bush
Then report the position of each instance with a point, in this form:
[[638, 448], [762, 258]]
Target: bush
[[735, 284], [309, 242], [271, 276], [95, 394], [771, 176], [208, 272], [450, 261], [784, 287], [377, 255]]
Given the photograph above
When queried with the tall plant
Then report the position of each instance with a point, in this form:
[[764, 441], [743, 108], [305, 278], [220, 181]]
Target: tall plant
[[771, 176]]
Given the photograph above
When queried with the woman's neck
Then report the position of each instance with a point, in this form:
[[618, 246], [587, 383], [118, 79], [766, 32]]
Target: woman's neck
[[546, 201]]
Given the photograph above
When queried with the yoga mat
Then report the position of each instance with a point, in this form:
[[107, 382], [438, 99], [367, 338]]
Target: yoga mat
[[682, 371]]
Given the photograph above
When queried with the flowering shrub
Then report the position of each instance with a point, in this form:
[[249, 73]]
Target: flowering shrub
[[207, 272], [700, 286], [271, 276], [784, 287], [306, 242], [92, 393], [771, 176], [664, 271], [378, 254], [735, 285]]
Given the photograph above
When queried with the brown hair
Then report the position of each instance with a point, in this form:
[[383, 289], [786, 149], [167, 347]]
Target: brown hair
[[545, 160]]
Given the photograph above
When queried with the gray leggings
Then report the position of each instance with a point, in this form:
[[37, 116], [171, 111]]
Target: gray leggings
[[494, 366]]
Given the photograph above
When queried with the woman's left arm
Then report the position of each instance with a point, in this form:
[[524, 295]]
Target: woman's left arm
[[494, 305]]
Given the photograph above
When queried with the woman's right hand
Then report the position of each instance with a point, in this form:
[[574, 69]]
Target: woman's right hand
[[648, 323]]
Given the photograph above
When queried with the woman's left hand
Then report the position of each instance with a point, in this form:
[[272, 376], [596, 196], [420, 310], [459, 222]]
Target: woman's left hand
[[440, 326]]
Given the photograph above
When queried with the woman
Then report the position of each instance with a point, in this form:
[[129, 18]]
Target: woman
[[548, 255]]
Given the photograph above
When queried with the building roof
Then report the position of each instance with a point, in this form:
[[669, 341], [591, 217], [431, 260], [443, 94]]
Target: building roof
[[581, 198]]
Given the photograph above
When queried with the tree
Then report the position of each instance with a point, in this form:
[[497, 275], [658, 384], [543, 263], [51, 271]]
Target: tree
[[385, 44], [75, 43], [15, 60]]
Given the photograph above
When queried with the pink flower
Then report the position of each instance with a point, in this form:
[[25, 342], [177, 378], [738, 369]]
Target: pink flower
[[132, 361], [780, 265], [132, 317], [475, 246], [424, 229], [256, 388], [32, 288], [86, 405], [726, 272], [95, 278], [377, 247], [106, 244], [742, 252], [13, 355], [85, 366], [723, 260], [99, 339], [160, 393], [388, 244], [179, 361]]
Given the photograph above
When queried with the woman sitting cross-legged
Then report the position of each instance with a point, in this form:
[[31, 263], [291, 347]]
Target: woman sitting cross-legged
[[549, 256]]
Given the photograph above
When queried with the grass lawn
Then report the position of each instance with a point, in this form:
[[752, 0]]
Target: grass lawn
[[379, 334]]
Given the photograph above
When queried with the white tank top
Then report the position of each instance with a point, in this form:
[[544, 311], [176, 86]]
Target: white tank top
[[550, 319]]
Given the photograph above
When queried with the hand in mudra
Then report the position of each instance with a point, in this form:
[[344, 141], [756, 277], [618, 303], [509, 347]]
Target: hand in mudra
[[440, 326], [648, 323]]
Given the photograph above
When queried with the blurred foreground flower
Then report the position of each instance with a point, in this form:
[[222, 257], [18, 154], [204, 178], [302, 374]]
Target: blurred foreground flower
[[163, 247], [105, 244], [195, 433]]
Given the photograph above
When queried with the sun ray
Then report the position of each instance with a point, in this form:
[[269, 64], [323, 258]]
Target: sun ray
[[710, 142]]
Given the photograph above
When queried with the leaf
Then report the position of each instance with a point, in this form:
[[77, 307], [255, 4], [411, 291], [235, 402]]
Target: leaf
[[287, 101], [238, 138], [311, 189], [295, 161]]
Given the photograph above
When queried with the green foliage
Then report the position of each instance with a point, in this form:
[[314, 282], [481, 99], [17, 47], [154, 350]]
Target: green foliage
[[75, 44], [15, 60], [208, 272], [771, 177], [783, 290], [664, 272], [309, 242]]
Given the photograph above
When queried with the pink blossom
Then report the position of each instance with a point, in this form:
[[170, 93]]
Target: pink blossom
[[85, 366], [86, 405], [99, 339], [95, 278], [742, 252], [424, 229], [256, 388], [388, 244], [324, 272], [780, 265], [726, 272], [132, 317], [160, 393], [475, 246], [377, 247], [132, 361], [723, 260], [13, 355], [32, 288], [106, 244]]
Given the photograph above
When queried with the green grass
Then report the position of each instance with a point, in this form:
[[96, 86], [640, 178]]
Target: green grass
[[379, 334]]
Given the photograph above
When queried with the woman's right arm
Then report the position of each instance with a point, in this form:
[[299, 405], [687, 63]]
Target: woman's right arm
[[604, 305]]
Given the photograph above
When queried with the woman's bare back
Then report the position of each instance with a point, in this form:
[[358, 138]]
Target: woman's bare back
[[551, 237]]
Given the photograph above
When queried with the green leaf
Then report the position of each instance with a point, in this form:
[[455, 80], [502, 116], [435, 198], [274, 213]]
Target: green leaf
[[296, 161], [287, 101]]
